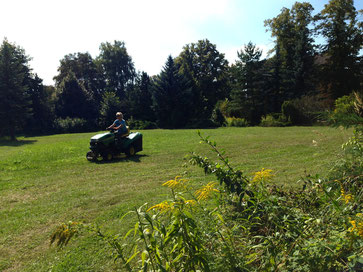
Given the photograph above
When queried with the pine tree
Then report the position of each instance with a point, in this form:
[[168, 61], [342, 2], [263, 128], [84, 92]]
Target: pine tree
[[171, 96], [247, 90], [140, 98], [42, 117], [15, 106]]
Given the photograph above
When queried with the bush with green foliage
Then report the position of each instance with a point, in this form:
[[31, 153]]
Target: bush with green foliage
[[274, 120], [217, 115], [236, 122], [73, 125], [140, 124], [348, 111], [306, 110]]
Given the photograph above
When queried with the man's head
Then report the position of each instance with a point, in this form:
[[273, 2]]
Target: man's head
[[119, 115]]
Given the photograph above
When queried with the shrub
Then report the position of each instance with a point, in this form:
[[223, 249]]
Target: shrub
[[348, 111], [140, 124], [344, 105], [236, 122], [290, 111], [217, 115], [274, 120], [306, 110], [73, 125]]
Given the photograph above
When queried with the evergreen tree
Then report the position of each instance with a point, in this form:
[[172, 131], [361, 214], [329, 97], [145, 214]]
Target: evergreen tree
[[42, 106], [15, 106], [247, 87], [140, 98], [338, 24], [172, 97]]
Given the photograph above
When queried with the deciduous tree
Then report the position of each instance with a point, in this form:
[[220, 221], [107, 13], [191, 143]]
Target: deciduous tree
[[207, 70], [117, 67], [338, 24]]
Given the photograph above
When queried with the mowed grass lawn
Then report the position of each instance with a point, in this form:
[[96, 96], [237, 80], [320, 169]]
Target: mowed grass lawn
[[47, 180]]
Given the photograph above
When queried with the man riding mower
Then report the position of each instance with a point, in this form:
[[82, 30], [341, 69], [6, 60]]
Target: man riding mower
[[111, 144]]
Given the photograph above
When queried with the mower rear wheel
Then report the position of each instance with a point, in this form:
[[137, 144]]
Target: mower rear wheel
[[130, 151]]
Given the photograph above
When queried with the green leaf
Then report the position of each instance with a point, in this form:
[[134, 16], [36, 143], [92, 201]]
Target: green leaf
[[143, 257], [133, 255], [127, 234], [136, 228]]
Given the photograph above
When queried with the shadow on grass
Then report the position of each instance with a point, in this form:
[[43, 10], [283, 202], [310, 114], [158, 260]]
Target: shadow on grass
[[16, 143], [135, 158]]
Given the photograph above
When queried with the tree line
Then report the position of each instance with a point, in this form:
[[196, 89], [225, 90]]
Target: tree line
[[198, 88]]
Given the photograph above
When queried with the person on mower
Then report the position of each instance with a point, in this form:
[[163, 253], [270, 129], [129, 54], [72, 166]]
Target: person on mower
[[119, 124]]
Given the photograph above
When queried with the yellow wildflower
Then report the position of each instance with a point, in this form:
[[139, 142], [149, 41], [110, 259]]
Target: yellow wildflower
[[354, 226], [190, 202], [345, 197], [177, 182], [64, 233], [263, 175], [205, 191], [164, 206], [348, 198], [360, 229], [357, 226]]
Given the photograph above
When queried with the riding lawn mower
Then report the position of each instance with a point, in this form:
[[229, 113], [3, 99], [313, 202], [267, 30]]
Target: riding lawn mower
[[109, 145]]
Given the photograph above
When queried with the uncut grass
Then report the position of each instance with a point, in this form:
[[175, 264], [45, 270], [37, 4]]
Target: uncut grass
[[47, 180]]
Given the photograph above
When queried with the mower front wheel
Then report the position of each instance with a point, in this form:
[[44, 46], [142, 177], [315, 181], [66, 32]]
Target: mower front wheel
[[91, 156], [107, 156]]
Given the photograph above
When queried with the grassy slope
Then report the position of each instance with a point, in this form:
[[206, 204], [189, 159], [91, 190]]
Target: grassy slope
[[47, 180]]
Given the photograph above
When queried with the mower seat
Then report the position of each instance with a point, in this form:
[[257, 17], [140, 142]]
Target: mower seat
[[127, 133]]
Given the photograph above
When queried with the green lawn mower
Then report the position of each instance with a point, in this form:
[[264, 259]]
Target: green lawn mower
[[108, 145]]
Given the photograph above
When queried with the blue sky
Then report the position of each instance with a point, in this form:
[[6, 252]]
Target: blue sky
[[151, 29]]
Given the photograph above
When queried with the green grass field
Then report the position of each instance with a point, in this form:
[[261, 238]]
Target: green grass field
[[47, 180]]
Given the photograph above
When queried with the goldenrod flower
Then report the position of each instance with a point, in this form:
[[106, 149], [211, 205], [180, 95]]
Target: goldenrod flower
[[64, 233], [357, 227], [206, 191], [164, 206], [190, 202], [263, 175], [360, 229], [346, 197], [177, 182], [354, 226]]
